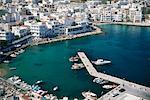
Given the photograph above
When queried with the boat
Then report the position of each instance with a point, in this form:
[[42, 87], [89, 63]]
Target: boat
[[100, 81], [89, 95], [55, 88], [101, 62], [13, 55], [12, 68], [38, 82], [6, 61], [74, 59], [77, 66], [108, 86]]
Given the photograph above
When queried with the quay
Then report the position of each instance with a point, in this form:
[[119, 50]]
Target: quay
[[50, 40], [140, 90], [68, 37]]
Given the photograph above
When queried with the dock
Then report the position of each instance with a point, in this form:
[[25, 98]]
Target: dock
[[93, 72]]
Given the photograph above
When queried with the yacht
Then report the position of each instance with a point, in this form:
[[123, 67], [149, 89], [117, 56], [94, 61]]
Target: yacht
[[101, 62]]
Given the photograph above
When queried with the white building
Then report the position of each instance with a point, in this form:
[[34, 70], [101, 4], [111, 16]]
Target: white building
[[135, 15], [4, 35], [39, 30], [117, 15], [82, 27], [20, 31], [106, 15], [55, 27]]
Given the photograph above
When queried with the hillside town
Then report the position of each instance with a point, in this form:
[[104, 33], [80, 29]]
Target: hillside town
[[26, 23], [38, 19]]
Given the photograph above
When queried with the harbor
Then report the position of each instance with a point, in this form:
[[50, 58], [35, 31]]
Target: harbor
[[93, 72], [96, 47], [13, 54]]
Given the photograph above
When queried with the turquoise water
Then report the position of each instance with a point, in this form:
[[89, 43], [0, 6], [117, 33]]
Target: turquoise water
[[126, 46]]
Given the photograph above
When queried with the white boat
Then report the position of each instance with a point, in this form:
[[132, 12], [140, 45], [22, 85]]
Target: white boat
[[38, 82], [12, 68], [55, 88], [13, 55], [100, 81], [77, 66], [89, 95], [101, 62], [6, 61], [74, 59], [109, 86]]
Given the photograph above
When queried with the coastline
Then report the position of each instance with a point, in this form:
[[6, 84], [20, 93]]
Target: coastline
[[52, 40], [67, 37], [125, 23]]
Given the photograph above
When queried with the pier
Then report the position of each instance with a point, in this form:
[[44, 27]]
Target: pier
[[139, 89]]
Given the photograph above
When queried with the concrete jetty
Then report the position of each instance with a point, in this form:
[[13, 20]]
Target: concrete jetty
[[93, 72]]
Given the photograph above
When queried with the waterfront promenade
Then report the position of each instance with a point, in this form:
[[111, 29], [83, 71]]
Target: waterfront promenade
[[52, 40], [93, 72], [67, 37]]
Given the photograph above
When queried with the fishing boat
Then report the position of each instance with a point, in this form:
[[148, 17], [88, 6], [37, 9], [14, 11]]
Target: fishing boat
[[89, 95], [74, 59], [101, 62], [77, 66], [55, 88]]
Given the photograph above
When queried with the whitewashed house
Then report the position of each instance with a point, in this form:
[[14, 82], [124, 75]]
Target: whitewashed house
[[38, 30], [81, 27], [5, 35], [20, 31], [55, 27]]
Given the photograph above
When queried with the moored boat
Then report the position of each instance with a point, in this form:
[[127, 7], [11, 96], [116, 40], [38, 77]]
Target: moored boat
[[100, 81], [89, 95], [101, 62], [77, 66], [13, 55], [74, 59]]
